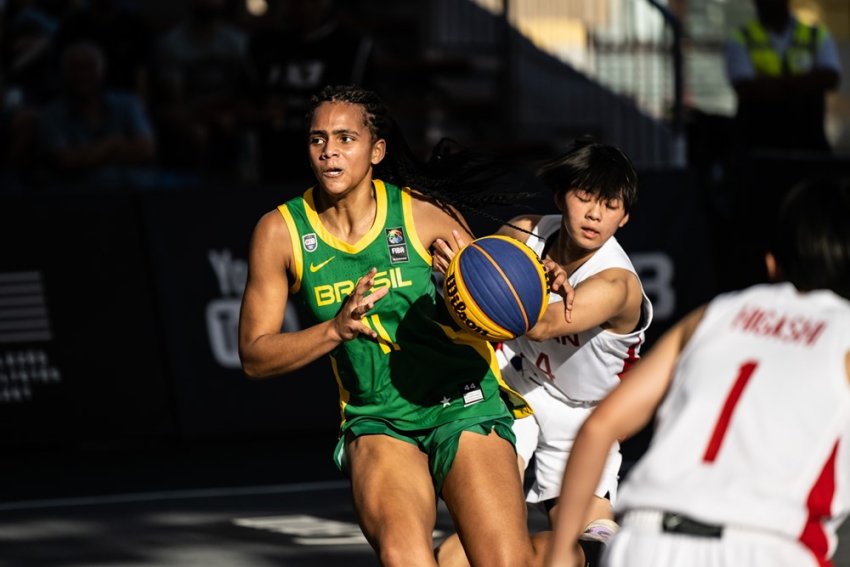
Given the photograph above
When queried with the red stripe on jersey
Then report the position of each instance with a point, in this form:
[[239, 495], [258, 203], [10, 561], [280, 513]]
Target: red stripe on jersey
[[716, 440], [630, 360], [819, 504]]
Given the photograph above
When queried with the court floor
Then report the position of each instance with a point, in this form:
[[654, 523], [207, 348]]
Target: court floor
[[295, 525], [198, 510]]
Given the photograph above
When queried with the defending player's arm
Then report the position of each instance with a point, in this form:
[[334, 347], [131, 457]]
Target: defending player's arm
[[627, 409], [610, 299], [266, 351]]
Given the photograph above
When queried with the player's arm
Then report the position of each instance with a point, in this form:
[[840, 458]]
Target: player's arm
[[627, 409], [445, 247], [611, 299], [519, 227], [265, 350], [435, 222]]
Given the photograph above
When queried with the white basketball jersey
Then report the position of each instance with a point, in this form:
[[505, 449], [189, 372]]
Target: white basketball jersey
[[755, 428], [584, 367]]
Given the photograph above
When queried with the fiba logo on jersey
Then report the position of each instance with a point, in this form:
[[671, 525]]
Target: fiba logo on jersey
[[222, 313], [396, 244]]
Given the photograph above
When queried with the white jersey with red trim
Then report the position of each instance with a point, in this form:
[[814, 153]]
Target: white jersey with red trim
[[584, 367], [754, 430]]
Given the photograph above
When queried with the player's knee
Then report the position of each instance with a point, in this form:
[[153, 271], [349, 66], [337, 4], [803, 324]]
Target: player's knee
[[401, 550]]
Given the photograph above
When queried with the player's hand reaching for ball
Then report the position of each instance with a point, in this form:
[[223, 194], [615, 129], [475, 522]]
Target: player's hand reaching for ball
[[444, 252], [559, 284], [348, 322]]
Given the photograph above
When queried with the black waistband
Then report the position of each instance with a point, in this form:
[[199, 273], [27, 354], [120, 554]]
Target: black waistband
[[679, 524]]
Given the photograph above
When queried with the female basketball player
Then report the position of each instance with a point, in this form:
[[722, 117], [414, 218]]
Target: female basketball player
[[750, 459], [422, 412], [564, 366]]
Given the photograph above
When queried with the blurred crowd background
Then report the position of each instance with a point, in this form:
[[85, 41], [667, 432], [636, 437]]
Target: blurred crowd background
[[213, 92]]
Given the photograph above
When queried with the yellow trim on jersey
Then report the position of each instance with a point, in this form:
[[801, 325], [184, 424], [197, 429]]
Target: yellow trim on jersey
[[366, 239], [516, 403], [297, 257], [344, 394], [384, 340], [407, 209]]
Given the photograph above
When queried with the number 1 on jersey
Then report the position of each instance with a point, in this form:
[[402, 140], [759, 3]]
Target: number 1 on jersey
[[744, 373]]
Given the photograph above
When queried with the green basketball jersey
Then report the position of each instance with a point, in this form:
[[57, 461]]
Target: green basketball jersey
[[422, 371]]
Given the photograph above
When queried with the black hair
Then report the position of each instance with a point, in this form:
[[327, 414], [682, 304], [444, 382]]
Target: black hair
[[600, 169], [811, 239], [452, 175]]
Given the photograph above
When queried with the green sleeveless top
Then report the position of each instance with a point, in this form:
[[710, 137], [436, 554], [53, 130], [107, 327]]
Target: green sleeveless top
[[422, 370]]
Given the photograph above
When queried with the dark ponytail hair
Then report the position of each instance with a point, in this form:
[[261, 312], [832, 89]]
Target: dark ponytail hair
[[811, 238], [452, 175]]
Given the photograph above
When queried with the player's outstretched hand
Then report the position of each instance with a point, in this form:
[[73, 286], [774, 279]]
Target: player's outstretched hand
[[444, 252], [347, 322], [559, 284]]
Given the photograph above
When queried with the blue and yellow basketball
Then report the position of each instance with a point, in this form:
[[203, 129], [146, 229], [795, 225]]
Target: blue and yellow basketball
[[496, 287]]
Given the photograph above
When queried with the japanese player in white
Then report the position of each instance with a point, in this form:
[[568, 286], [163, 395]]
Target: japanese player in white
[[750, 459], [565, 365]]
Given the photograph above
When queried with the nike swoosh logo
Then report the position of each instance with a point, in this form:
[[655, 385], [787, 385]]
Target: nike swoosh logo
[[317, 267]]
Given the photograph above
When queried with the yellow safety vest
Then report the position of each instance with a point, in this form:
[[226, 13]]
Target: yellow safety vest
[[799, 57]]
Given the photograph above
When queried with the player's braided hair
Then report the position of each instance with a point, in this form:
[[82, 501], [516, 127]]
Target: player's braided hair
[[452, 175]]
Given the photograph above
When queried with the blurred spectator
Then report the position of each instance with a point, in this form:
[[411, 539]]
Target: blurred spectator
[[124, 35], [26, 53], [92, 137], [27, 80], [781, 70], [203, 71], [306, 46], [17, 134]]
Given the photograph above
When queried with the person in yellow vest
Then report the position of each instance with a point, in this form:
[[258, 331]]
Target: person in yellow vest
[[781, 70]]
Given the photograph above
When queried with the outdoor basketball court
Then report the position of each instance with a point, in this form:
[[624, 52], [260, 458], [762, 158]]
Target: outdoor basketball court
[[196, 510]]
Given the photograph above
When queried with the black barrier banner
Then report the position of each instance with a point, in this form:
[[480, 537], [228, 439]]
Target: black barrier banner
[[669, 242], [198, 243], [79, 356]]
